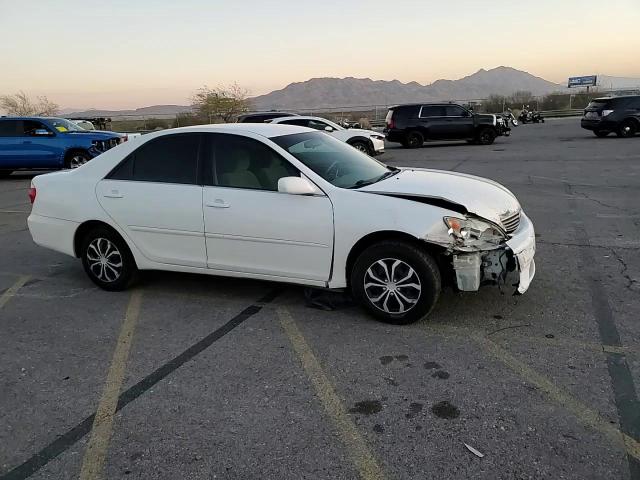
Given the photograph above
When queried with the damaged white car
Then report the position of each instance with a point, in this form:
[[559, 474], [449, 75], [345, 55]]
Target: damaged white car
[[286, 204]]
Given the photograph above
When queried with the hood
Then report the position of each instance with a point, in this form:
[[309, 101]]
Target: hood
[[479, 196], [95, 134], [363, 132]]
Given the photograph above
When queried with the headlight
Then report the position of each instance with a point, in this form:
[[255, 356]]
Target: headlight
[[606, 112], [470, 231]]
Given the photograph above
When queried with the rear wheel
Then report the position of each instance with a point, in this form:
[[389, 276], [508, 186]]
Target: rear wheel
[[601, 133], [75, 159], [486, 136], [5, 173], [107, 260], [414, 140], [627, 129], [396, 282]]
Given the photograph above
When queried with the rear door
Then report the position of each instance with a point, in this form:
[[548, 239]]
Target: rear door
[[432, 121], [250, 227], [155, 196], [10, 142]]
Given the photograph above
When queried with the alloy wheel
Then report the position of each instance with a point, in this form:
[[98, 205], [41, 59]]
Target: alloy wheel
[[392, 286], [77, 161], [104, 260]]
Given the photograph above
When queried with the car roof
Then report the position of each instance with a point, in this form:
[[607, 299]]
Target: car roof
[[29, 118], [606, 99], [268, 130], [425, 104], [300, 117]]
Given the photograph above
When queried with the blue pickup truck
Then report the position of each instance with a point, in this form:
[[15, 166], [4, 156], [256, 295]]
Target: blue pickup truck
[[40, 143]]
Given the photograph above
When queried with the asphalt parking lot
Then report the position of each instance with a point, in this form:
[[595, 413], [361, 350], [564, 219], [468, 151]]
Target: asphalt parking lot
[[235, 379]]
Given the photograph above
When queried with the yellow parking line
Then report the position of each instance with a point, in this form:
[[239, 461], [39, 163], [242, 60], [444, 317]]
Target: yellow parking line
[[96, 452], [357, 447], [13, 289], [582, 412]]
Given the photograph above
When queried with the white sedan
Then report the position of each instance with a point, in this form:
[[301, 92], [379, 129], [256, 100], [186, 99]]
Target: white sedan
[[286, 204], [367, 141]]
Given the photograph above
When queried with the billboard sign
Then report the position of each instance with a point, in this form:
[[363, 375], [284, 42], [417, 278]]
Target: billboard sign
[[587, 81]]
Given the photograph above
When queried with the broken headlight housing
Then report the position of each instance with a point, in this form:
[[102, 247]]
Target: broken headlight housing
[[474, 232]]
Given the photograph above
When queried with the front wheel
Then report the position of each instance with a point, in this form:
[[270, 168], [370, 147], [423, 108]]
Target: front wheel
[[486, 136], [396, 282], [107, 260], [362, 146], [628, 129], [76, 159]]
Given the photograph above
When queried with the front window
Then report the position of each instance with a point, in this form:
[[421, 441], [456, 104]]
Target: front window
[[62, 125], [335, 161]]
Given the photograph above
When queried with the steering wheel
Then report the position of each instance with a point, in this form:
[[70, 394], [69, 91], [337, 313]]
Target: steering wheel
[[334, 166]]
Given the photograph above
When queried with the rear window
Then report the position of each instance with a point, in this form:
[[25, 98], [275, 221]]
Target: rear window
[[599, 104]]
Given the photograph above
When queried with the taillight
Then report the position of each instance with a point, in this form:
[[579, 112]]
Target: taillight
[[32, 194]]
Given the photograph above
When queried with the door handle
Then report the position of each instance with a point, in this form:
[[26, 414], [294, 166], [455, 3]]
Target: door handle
[[113, 194], [218, 203]]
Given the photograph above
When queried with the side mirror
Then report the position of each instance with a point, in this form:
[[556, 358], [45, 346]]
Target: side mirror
[[328, 128], [41, 132], [296, 186]]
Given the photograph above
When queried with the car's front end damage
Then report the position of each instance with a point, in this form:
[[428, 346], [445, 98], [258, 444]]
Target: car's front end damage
[[485, 253], [477, 225]]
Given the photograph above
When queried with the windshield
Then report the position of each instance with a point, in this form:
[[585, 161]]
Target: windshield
[[335, 161], [62, 125]]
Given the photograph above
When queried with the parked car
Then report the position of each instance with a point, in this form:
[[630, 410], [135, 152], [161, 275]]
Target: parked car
[[367, 141], [412, 125], [262, 117], [286, 204], [49, 143], [613, 114]]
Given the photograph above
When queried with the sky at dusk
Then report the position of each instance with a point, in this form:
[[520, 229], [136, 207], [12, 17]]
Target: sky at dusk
[[127, 54]]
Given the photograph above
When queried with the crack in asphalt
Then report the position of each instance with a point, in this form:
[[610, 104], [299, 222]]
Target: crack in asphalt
[[624, 272]]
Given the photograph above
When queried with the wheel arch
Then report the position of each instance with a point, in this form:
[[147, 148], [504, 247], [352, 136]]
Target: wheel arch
[[85, 227], [635, 120], [365, 242], [360, 138], [70, 151]]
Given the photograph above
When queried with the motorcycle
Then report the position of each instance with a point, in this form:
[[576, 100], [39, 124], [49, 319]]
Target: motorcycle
[[509, 117], [530, 116]]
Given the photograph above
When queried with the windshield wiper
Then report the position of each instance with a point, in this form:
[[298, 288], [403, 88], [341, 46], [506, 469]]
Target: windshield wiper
[[363, 183]]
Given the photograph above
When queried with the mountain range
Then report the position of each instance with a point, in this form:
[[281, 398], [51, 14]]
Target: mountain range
[[318, 93]]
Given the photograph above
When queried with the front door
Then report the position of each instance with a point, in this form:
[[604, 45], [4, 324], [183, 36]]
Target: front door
[[458, 123], [155, 196], [250, 227]]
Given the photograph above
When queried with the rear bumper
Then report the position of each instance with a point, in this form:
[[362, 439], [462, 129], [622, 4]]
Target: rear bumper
[[597, 124], [53, 233], [394, 135]]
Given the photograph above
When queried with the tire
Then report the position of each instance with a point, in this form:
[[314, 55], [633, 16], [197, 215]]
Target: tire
[[415, 267], [486, 136], [107, 260], [75, 159], [362, 146], [414, 140], [5, 173], [627, 129], [600, 133]]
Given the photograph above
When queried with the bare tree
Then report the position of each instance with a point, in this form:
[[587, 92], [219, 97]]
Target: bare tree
[[20, 104], [221, 103]]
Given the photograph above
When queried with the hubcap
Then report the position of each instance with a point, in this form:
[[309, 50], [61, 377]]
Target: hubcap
[[361, 147], [105, 260], [77, 161], [392, 286]]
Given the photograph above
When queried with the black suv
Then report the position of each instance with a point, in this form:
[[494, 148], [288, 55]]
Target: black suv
[[262, 117], [413, 124], [613, 114]]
